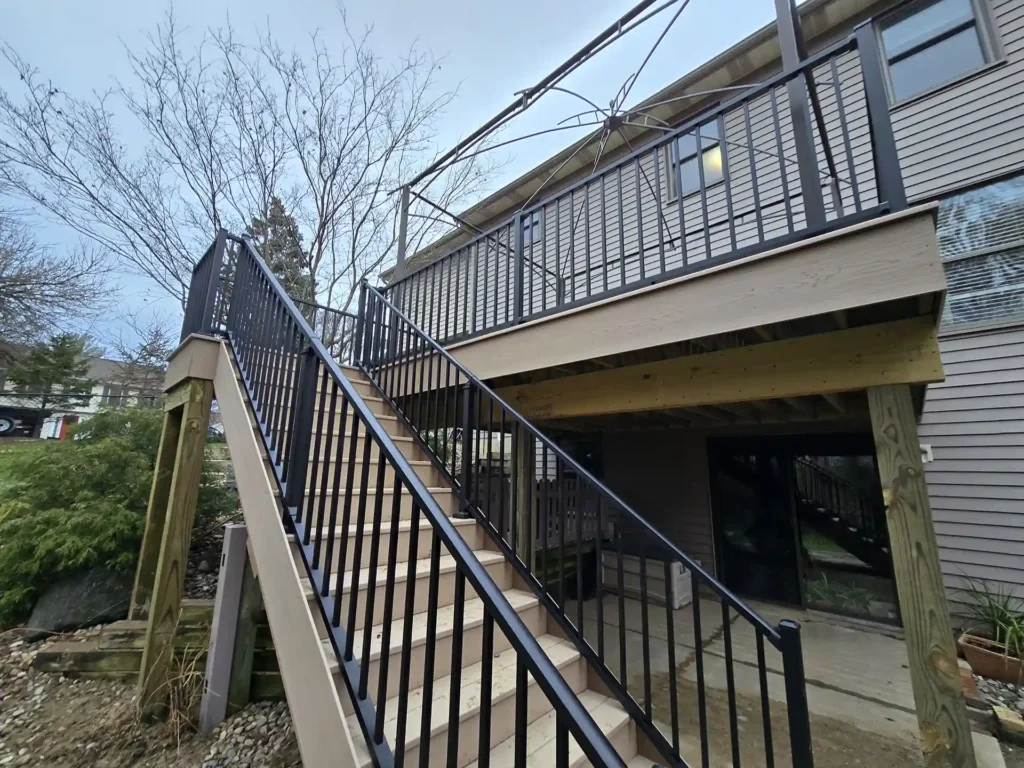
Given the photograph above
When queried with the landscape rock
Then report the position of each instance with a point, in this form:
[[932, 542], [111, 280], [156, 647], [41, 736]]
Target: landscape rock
[[97, 596]]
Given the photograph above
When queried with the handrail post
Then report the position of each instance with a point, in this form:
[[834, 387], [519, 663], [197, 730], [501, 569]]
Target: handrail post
[[301, 429], [357, 353], [888, 176], [793, 54], [517, 296], [467, 450], [796, 694], [208, 322]]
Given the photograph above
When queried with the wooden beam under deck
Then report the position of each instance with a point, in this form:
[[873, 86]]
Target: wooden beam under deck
[[901, 352]]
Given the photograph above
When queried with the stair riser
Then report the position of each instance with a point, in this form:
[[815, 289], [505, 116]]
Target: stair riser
[[473, 535], [447, 502], [503, 719], [472, 644], [501, 572], [314, 478], [623, 739]]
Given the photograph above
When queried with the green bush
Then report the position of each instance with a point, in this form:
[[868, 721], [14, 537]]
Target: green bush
[[69, 505]]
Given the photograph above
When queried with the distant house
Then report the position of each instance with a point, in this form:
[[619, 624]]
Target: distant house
[[115, 384]]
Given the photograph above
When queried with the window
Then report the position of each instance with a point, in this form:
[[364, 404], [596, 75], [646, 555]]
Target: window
[[532, 230], [688, 176], [931, 43], [112, 394]]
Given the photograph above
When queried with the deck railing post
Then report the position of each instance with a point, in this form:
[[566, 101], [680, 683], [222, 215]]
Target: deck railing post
[[796, 694], [467, 449], [301, 429], [517, 294], [208, 321], [357, 356], [888, 176], [793, 54]]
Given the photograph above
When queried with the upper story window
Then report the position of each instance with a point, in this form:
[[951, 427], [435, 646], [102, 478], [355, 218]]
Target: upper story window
[[112, 394], [684, 171], [532, 230], [934, 42]]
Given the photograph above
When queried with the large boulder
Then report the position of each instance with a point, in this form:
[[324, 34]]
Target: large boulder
[[97, 596]]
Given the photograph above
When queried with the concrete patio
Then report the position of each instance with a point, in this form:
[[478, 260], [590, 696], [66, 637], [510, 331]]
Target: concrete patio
[[858, 684]]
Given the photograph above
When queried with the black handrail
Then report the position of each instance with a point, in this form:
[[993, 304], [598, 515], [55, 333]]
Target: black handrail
[[834, 493], [619, 229], [294, 386], [415, 374]]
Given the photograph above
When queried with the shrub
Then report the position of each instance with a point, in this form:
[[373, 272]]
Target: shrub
[[74, 504]]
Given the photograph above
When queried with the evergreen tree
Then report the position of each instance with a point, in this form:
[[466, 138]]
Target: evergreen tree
[[280, 243], [56, 373]]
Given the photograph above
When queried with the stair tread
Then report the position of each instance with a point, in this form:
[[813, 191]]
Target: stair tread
[[561, 652], [445, 564], [607, 713], [386, 527], [473, 613], [372, 491]]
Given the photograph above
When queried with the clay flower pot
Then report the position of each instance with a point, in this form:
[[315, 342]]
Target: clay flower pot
[[990, 659]]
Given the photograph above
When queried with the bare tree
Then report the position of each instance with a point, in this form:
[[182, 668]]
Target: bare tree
[[44, 289], [142, 349], [331, 130]]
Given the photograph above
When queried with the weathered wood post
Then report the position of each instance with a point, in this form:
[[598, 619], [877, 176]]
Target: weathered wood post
[[160, 576], [934, 674]]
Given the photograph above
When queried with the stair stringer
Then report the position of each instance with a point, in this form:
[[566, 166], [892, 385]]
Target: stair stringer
[[313, 699]]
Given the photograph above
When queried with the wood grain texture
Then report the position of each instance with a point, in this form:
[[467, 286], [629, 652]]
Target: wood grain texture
[[902, 352], [934, 675], [169, 584], [156, 516]]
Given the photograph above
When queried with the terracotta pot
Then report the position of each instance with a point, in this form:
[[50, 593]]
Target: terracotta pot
[[989, 659]]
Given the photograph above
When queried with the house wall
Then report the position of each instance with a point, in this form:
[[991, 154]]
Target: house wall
[[974, 423], [663, 475]]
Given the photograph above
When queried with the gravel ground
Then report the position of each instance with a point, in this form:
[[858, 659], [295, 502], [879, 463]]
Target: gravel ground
[[996, 692], [46, 720]]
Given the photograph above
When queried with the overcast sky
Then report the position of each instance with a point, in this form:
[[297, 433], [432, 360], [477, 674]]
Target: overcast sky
[[491, 49]]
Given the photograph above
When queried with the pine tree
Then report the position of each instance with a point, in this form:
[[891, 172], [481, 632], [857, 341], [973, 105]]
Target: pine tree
[[280, 243], [56, 373]]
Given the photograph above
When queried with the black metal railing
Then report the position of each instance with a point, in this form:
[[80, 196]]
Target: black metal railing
[[318, 433], [851, 505], [724, 185], [601, 591], [336, 328]]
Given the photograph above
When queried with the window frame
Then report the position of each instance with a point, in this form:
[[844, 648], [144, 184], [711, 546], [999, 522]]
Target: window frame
[[981, 21], [674, 161], [533, 223]]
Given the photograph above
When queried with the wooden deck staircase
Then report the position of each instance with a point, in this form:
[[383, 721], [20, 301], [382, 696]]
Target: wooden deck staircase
[[387, 641], [411, 621]]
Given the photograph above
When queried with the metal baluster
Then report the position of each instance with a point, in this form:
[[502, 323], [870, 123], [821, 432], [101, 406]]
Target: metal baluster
[[766, 713], [623, 676], [586, 240], [645, 625], [455, 692], [522, 692], [847, 148], [357, 555], [658, 208], [639, 216], [346, 519], [604, 240], [724, 150], [701, 182], [698, 641], [486, 677], [790, 224], [430, 648], [622, 227], [752, 160], [389, 603], [371, 589], [673, 683], [324, 472], [407, 649], [310, 498], [561, 743], [730, 685]]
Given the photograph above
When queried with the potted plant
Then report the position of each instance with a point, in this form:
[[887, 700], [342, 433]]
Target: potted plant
[[994, 643]]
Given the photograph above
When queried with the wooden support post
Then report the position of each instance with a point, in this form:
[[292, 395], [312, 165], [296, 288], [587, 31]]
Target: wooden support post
[[526, 478], [180, 509], [934, 675], [156, 516], [219, 659], [249, 609]]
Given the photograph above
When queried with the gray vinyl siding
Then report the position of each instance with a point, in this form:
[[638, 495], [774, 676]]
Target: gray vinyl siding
[[663, 475], [974, 423], [973, 130]]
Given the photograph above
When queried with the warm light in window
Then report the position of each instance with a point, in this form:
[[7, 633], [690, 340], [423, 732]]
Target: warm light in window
[[713, 160]]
